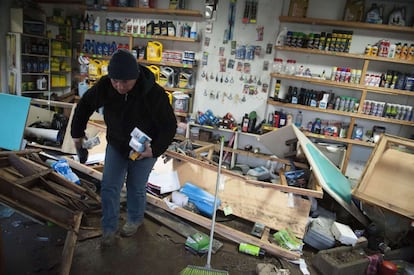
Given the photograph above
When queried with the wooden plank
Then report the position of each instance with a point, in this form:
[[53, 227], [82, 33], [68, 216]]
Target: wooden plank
[[225, 231], [31, 202], [20, 152], [70, 244], [84, 169]]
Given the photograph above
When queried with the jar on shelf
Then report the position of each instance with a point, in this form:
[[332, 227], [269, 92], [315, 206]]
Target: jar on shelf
[[277, 65]]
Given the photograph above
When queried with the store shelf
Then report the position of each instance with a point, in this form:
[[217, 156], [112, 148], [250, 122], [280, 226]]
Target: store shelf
[[174, 12], [143, 36], [343, 54], [341, 113], [346, 24], [351, 86], [340, 140], [169, 64]]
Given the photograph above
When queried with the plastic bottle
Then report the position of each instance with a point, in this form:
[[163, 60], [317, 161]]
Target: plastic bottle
[[323, 104], [252, 250], [245, 123], [193, 31], [97, 24], [298, 119], [277, 89], [283, 119]]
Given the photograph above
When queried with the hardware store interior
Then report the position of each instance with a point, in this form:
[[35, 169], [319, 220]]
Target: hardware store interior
[[296, 117]]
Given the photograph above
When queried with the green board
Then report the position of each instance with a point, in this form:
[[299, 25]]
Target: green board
[[332, 176], [13, 116]]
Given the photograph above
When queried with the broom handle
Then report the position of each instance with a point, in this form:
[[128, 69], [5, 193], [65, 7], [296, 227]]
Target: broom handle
[[213, 223]]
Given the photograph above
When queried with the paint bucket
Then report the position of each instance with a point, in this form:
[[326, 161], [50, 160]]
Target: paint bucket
[[166, 76], [180, 102]]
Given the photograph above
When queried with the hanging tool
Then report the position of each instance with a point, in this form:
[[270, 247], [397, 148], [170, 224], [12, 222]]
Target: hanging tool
[[228, 33], [246, 12]]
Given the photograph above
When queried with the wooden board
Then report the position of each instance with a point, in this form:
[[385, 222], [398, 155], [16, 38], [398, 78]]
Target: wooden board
[[387, 180], [266, 205], [13, 115]]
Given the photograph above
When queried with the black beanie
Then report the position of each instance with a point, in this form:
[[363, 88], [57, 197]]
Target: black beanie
[[123, 65]]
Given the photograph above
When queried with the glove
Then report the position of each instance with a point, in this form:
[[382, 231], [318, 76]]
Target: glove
[[80, 150], [82, 154]]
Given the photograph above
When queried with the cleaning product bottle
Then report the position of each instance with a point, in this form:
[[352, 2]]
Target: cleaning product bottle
[[245, 123], [281, 37], [298, 119], [193, 31], [97, 24], [324, 102]]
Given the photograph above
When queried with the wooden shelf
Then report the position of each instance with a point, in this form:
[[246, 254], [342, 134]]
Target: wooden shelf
[[341, 140], [163, 63], [345, 24], [175, 12], [341, 113], [352, 86], [343, 54], [143, 36]]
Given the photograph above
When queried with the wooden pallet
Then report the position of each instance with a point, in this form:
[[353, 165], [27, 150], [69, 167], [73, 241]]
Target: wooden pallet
[[37, 191]]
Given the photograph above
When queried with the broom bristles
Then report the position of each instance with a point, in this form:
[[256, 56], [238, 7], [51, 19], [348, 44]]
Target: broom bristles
[[200, 270]]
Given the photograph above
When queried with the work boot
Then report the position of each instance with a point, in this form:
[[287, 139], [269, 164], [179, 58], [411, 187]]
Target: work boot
[[108, 240], [130, 229]]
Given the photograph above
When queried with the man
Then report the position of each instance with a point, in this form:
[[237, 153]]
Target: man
[[130, 98]]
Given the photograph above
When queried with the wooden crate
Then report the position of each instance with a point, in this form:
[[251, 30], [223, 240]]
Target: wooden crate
[[387, 180]]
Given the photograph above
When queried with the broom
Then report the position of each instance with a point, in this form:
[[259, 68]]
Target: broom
[[207, 270]]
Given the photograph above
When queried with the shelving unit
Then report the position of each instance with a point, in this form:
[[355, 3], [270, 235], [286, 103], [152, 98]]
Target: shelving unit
[[61, 57], [363, 89], [131, 40], [27, 65]]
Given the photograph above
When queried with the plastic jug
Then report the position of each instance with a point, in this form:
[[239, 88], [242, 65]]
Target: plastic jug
[[186, 80], [166, 76], [82, 87], [154, 51], [156, 71], [41, 83], [94, 69]]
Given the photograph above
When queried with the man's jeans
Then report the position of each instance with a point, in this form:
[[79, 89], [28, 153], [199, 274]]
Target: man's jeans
[[118, 170]]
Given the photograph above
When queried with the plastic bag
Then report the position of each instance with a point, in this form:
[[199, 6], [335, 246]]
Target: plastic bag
[[62, 167]]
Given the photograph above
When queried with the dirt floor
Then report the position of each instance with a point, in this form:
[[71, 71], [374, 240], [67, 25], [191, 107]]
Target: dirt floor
[[32, 248]]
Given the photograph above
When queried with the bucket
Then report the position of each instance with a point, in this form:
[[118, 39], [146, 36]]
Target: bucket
[[154, 51], [180, 102], [156, 71], [166, 77]]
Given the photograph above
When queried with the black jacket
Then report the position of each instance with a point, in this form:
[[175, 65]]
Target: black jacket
[[146, 107]]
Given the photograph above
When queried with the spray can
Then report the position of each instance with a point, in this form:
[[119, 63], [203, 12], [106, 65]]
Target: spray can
[[252, 250]]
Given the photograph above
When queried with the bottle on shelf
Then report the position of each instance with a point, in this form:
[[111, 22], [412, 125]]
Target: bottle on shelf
[[298, 119], [276, 90], [245, 123]]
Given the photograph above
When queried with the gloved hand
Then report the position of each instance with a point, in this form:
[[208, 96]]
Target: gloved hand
[[80, 150], [82, 154]]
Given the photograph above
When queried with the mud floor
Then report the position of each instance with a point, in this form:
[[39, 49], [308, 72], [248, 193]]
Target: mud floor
[[33, 248]]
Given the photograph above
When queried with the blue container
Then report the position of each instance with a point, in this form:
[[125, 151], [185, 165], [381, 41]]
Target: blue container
[[203, 200]]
